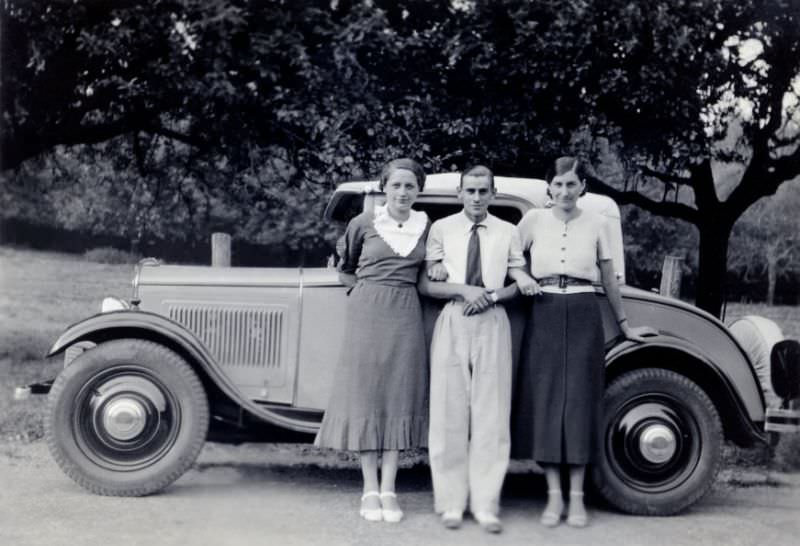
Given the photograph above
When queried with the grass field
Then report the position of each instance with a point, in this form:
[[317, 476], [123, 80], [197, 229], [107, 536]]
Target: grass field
[[40, 294], [43, 292]]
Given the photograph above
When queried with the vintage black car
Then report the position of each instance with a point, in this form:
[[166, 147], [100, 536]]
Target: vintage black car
[[242, 354]]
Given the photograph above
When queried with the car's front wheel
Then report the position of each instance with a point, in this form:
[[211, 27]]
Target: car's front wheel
[[662, 442], [126, 418]]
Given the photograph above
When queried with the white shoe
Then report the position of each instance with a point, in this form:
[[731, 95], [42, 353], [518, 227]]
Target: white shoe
[[452, 519], [489, 522], [390, 516], [370, 514], [577, 517]]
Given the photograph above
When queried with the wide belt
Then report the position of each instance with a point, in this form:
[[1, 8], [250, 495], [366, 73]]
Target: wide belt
[[563, 281]]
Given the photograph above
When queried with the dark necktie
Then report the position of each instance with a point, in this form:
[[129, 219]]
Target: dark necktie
[[474, 277]]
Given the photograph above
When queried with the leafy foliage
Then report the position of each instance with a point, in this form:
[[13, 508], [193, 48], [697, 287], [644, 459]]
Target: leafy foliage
[[194, 115]]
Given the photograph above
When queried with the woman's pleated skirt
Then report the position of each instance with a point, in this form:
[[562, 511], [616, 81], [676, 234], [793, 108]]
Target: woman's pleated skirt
[[379, 398]]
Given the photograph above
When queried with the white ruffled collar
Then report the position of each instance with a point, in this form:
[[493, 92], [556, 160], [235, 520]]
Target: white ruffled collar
[[401, 237]]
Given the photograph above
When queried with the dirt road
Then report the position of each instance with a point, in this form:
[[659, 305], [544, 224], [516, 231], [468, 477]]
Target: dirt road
[[253, 495]]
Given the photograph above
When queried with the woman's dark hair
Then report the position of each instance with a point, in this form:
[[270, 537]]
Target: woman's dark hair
[[402, 163], [565, 164]]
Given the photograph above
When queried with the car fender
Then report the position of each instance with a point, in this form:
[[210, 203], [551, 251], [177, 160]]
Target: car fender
[[143, 324], [619, 358]]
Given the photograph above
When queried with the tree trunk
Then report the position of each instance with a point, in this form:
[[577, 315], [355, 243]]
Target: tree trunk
[[712, 266], [772, 272]]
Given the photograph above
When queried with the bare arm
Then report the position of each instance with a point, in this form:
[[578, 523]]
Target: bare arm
[[511, 291], [525, 283], [611, 286], [508, 292], [445, 290], [476, 298]]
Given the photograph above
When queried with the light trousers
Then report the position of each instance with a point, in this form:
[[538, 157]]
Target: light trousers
[[470, 403]]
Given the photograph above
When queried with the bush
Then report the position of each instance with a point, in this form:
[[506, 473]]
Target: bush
[[110, 255]]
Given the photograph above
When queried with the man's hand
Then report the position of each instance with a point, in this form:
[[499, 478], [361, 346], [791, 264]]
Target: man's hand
[[476, 300], [528, 286], [437, 272]]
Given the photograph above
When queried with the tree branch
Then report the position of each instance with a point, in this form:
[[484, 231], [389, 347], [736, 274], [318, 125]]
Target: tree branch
[[762, 177], [176, 135], [660, 208], [666, 177]]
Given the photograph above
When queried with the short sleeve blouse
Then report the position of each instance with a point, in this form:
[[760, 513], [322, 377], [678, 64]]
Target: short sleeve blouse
[[365, 254], [573, 248]]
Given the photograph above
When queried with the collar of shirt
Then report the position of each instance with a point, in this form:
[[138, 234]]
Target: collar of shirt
[[467, 222], [401, 240]]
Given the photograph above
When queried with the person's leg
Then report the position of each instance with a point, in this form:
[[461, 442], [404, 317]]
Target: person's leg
[[449, 416], [370, 499], [369, 471], [389, 462], [576, 516], [391, 509], [490, 407], [555, 500]]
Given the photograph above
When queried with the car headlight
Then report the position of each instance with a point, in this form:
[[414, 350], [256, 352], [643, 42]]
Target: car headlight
[[113, 304]]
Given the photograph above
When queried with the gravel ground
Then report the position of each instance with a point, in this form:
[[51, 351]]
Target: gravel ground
[[272, 494]]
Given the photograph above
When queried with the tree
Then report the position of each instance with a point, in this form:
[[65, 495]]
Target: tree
[[675, 89], [668, 91], [262, 106], [766, 239], [737, 105]]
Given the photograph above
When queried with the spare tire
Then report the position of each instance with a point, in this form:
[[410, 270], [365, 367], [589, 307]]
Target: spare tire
[[757, 336]]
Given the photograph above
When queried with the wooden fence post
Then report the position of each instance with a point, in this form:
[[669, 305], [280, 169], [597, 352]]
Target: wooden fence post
[[671, 273], [220, 250]]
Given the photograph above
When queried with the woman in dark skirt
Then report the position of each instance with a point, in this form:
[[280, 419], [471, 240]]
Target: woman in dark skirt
[[379, 399], [557, 404]]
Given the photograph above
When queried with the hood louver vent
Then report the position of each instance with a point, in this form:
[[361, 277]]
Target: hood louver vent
[[240, 335]]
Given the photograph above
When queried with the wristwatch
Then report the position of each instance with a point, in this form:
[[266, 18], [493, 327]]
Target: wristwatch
[[493, 296]]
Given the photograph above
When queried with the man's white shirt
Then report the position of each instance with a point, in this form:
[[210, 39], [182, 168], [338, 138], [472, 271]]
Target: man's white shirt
[[501, 248]]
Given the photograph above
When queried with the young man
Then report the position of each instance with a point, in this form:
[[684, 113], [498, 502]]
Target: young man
[[472, 252]]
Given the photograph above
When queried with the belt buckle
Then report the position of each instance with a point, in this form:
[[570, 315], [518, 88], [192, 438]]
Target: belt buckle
[[562, 281]]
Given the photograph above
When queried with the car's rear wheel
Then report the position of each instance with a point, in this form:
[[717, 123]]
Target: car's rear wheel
[[662, 442], [126, 418]]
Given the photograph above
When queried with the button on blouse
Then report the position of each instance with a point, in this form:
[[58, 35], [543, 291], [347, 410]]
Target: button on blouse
[[572, 248]]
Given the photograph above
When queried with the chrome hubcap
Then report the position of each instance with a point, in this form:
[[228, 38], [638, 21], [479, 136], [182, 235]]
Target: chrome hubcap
[[657, 443], [653, 442], [124, 419]]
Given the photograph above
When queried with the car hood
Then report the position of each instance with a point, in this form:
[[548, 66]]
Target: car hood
[[189, 275]]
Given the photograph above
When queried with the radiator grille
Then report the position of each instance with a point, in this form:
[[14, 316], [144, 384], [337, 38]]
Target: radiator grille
[[240, 335]]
